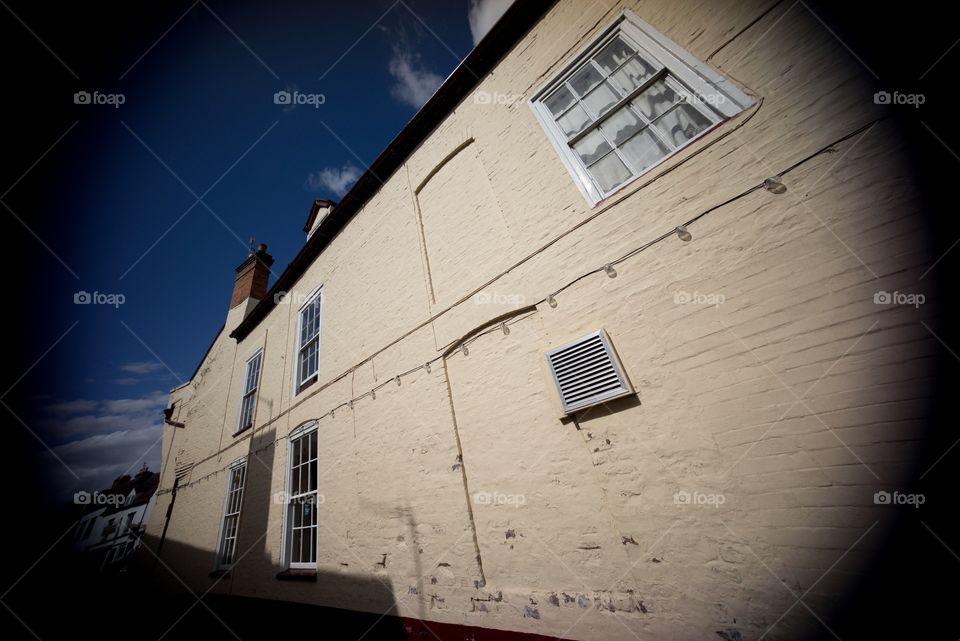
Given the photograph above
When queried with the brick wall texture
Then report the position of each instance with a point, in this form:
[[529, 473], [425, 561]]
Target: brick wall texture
[[769, 408]]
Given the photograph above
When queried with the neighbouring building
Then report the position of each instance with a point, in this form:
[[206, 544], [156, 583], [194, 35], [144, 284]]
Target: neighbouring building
[[113, 520], [610, 339]]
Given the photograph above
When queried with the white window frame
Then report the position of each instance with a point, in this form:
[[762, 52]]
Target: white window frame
[[247, 391], [691, 78], [298, 346], [239, 466], [305, 430]]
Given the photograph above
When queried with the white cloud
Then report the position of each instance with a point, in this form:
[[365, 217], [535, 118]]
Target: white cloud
[[101, 458], [72, 407], [414, 82], [100, 440], [333, 179], [142, 367], [72, 420], [484, 14], [151, 402]]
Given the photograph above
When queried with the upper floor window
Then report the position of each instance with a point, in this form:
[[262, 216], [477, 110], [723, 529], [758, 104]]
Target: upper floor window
[[229, 527], [251, 382], [628, 101], [308, 344]]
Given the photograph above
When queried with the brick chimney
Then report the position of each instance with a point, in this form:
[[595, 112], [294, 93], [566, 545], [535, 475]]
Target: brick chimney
[[253, 275]]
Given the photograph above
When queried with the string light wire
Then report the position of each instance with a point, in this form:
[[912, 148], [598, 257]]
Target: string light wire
[[501, 322]]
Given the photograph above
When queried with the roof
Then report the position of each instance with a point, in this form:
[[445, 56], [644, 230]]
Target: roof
[[512, 26]]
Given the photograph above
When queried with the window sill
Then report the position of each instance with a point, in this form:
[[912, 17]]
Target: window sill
[[307, 383], [242, 430], [298, 575]]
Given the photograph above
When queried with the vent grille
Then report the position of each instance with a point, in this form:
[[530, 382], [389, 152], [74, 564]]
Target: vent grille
[[587, 372]]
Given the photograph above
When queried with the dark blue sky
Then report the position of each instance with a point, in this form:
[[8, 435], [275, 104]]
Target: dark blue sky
[[198, 119]]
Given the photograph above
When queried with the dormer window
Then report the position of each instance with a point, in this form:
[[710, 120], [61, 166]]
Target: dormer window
[[320, 209]]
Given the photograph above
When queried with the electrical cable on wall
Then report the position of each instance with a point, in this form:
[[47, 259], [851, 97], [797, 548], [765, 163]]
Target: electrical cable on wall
[[772, 184]]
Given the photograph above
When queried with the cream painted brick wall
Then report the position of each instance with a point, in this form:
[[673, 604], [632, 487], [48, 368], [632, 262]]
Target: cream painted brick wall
[[598, 542]]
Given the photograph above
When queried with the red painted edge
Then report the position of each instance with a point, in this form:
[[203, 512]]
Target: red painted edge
[[420, 630]]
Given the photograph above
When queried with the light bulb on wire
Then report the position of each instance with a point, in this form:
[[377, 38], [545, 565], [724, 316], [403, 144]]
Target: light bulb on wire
[[684, 234], [551, 301], [611, 272], [774, 185]]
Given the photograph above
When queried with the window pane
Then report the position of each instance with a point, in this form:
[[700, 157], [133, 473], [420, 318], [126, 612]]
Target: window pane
[[643, 150], [304, 365], [613, 55], [610, 172], [297, 513], [295, 481], [632, 74], [655, 100], [585, 79], [310, 321], [306, 318], [591, 147], [308, 360], [312, 358], [253, 373], [559, 100], [574, 120], [296, 546], [601, 99], [307, 507], [621, 125], [682, 124]]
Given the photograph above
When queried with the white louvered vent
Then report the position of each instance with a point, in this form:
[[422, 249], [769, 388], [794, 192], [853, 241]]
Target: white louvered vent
[[587, 372]]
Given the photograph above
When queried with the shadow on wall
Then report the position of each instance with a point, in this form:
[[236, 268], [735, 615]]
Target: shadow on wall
[[178, 595], [258, 570], [151, 601]]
